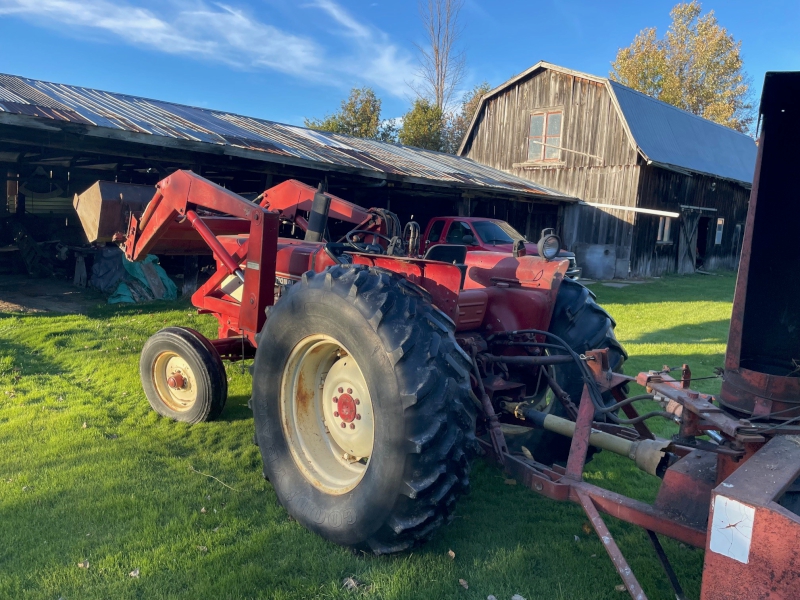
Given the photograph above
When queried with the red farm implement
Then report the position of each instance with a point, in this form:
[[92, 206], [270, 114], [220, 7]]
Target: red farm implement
[[378, 372]]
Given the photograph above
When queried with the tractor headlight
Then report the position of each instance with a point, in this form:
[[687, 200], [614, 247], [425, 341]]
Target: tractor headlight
[[549, 245]]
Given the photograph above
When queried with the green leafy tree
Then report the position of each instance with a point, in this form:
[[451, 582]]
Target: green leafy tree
[[697, 66], [360, 116], [423, 126], [458, 122]]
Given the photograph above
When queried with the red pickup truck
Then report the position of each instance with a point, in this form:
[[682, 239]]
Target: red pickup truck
[[479, 233]]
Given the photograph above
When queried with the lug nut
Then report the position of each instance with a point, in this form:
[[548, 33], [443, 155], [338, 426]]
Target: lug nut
[[358, 401], [352, 425], [344, 425], [335, 399], [341, 390], [349, 390], [358, 417], [335, 414]]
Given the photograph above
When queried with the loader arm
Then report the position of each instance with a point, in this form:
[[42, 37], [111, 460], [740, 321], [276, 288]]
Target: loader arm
[[171, 204], [291, 196], [175, 201]]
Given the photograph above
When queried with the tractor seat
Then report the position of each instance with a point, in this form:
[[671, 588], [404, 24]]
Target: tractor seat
[[455, 254]]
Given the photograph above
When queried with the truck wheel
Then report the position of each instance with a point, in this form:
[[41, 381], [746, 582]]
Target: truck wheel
[[583, 325], [183, 376], [362, 408]]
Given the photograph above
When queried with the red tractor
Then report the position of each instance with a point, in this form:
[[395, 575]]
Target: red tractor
[[371, 362], [377, 373]]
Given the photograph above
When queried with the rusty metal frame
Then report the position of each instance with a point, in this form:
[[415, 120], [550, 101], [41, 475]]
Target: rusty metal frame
[[700, 416]]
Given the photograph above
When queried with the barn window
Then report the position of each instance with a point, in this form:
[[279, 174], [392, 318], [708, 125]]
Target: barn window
[[664, 233], [720, 227], [544, 137]]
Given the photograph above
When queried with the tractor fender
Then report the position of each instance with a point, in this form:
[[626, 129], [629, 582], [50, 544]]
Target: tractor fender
[[522, 290]]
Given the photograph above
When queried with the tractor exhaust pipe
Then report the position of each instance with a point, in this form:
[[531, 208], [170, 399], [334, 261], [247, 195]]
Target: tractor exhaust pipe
[[318, 218], [649, 455]]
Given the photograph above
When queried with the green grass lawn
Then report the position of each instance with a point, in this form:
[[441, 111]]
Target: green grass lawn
[[89, 473]]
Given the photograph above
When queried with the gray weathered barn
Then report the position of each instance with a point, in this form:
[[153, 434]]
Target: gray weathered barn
[[662, 190]]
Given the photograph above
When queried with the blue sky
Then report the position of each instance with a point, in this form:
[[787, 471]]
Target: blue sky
[[287, 60]]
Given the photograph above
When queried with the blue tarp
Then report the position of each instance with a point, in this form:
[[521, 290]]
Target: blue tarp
[[112, 271], [129, 291]]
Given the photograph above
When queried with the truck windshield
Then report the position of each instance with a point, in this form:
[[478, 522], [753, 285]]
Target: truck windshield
[[496, 232]]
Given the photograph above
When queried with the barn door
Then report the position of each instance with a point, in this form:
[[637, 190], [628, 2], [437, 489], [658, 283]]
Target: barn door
[[687, 247]]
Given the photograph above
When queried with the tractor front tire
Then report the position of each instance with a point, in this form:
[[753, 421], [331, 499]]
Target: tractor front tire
[[183, 376], [583, 325], [362, 409]]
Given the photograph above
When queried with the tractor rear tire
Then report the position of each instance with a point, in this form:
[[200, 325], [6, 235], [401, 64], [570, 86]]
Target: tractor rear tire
[[183, 376], [362, 409], [583, 325]]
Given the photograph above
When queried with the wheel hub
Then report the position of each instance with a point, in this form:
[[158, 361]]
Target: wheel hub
[[327, 414], [349, 414], [174, 381], [347, 408]]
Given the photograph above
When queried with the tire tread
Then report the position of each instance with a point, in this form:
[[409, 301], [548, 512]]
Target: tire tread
[[434, 391]]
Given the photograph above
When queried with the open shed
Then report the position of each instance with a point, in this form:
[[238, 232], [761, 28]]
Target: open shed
[[56, 140]]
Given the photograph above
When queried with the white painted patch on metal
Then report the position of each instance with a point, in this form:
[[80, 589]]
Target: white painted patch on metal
[[732, 529], [233, 287]]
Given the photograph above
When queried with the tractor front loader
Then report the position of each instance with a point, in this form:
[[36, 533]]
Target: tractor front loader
[[378, 374]]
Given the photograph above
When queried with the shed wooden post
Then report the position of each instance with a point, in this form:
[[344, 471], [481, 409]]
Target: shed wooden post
[[464, 206], [11, 192]]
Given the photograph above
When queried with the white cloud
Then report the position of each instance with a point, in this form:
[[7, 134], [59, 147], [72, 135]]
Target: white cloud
[[380, 63], [341, 16], [233, 36], [218, 33]]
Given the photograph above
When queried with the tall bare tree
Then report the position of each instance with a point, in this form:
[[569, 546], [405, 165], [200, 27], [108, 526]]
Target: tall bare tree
[[442, 63], [697, 66]]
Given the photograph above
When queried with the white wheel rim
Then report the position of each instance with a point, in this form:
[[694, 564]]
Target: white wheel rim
[[174, 381], [326, 413]]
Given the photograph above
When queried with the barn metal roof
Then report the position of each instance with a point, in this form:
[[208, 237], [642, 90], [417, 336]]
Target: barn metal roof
[[672, 137], [662, 133], [35, 103]]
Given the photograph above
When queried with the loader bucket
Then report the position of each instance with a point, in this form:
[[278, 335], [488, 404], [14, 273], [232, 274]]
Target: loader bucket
[[104, 208]]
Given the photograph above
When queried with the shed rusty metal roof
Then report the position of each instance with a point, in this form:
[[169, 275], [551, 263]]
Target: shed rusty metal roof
[[39, 103]]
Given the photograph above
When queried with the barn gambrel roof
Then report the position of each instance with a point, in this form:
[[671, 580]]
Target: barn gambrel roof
[[663, 134]]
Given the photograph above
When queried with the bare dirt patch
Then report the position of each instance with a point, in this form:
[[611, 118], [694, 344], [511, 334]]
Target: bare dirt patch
[[28, 295]]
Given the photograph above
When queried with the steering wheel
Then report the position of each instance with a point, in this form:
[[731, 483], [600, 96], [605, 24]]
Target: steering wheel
[[373, 248]]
